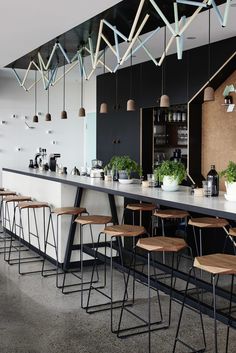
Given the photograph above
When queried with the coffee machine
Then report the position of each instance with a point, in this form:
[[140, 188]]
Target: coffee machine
[[53, 161]]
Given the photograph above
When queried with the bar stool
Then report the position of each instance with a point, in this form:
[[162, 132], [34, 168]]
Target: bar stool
[[89, 220], [231, 236], [4, 237], [215, 265], [170, 214], [34, 205], [138, 207], [151, 246], [204, 223], [115, 232], [14, 200], [59, 212]]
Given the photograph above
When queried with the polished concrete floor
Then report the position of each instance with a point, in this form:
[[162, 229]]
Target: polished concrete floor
[[35, 317]]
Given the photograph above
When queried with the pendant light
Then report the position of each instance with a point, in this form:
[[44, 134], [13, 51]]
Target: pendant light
[[209, 93], [64, 113], [131, 106], [165, 100], [104, 106], [35, 117], [82, 110], [48, 115]]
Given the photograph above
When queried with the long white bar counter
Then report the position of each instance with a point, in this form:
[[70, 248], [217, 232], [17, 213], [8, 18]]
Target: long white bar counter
[[182, 199]]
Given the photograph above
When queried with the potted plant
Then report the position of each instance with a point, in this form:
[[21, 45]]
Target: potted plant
[[124, 165], [171, 174], [230, 181]]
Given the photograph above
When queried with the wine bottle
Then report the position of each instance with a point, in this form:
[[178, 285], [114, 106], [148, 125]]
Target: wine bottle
[[214, 177]]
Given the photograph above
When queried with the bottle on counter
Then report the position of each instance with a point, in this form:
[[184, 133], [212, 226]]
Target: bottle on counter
[[214, 177]]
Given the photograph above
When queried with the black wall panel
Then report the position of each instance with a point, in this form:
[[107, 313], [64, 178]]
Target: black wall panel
[[125, 126]]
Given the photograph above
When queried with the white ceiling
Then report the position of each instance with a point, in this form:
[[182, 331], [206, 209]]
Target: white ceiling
[[27, 24], [23, 28]]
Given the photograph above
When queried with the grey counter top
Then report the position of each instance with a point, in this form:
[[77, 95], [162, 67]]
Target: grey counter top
[[182, 199]]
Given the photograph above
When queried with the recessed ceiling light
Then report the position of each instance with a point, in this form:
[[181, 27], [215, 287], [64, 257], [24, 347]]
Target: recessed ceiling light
[[191, 38]]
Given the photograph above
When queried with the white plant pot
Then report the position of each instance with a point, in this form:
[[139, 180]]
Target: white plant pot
[[170, 184], [230, 191]]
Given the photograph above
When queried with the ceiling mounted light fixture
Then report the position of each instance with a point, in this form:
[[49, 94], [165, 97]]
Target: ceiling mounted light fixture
[[82, 112], [209, 93], [35, 117], [164, 100], [104, 106], [131, 105], [64, 113]]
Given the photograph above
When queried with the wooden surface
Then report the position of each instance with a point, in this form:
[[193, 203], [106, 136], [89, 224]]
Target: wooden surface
[[218, 132], [208, 222], [162, 244], [217, 263], [17, 198], [33, 204], [141, 207], [7, 193], [73, 211], [171, 213], [93, 219], [124, 230], [232, 231]]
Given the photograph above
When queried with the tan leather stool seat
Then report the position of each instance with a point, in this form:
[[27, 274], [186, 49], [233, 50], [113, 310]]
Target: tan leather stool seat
[[141, 207], [124, 230], [208, 222], [7, 193], [162, 244], [171, 213], [17, 198], [33, 204], [93, 219], [73, 211], [232, 231], [217, 264]]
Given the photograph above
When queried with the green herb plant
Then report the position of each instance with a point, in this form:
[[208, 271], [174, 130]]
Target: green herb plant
[[229, 173], [123, 163], [173, 169]]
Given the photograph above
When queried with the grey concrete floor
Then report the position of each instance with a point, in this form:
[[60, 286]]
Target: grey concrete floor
[[35, 317]]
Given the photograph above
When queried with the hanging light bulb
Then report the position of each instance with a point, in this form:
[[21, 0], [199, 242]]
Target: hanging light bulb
[[104, 106], [64, 113], [209, 93], [82, 112], [35, 117], [131, 105], [164, 100]]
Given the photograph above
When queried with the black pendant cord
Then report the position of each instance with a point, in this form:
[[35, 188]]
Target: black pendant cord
[[131, 74], [187, 78], [64, 84], [48, 94], [116, 106], [163, 68], [82, 81], [35, 92], [209, 44]]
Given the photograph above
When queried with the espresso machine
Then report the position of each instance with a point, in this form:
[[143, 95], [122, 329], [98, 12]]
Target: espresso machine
[[96, 168], [53, 161]]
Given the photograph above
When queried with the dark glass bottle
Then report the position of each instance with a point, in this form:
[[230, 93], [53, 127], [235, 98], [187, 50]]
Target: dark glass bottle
[[214, 177]]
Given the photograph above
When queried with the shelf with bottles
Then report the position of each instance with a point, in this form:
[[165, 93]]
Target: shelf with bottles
[[170, 135], [175, 114]]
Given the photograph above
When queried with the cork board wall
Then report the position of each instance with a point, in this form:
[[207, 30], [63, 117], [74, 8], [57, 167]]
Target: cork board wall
[[218, 132]]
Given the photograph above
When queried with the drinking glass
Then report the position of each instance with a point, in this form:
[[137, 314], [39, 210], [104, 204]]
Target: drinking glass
[[207, 188], [151, 180]]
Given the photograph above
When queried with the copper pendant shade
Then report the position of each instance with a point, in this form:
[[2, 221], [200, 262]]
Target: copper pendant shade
[[82, 112], [164, 101], [103, 108], [48, 117], [35, 119], [209, 94], [63, 114], [131, 106]]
